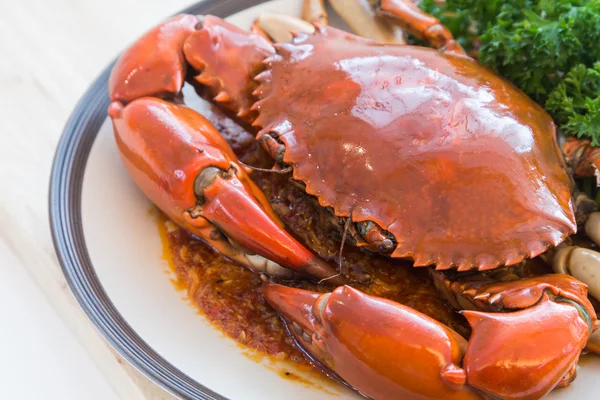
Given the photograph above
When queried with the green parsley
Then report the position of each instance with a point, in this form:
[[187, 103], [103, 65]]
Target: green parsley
[[548, 48]]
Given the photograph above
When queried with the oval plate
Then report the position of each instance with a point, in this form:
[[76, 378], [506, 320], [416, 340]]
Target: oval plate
[[111, 255]]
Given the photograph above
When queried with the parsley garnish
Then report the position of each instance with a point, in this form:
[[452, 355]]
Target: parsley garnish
[[548, 48]]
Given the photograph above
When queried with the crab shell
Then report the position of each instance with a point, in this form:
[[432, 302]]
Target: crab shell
[[459, 165]]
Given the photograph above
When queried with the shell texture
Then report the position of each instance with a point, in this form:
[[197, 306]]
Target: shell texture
[[454, 161]]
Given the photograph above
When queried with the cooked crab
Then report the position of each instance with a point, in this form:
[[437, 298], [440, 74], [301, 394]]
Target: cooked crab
[[419, 153]]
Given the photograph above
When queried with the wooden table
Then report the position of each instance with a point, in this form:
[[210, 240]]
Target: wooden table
[[50, 51]]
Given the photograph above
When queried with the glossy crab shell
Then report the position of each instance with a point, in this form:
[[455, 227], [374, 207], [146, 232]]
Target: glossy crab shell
[[461, 167]]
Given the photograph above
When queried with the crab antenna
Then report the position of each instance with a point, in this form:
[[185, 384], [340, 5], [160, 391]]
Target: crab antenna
[[346, 227], [273, 171]]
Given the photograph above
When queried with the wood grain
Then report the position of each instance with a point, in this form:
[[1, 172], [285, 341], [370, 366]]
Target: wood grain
[[50, 51]]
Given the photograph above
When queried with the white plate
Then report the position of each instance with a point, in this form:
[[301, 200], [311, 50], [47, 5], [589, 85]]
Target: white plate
[[110, 250]]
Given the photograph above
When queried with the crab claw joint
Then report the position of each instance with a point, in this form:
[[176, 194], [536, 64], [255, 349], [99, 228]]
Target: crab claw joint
[[382, 349]]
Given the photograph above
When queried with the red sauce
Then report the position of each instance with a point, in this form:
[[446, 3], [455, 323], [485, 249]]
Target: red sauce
[[230, 296]]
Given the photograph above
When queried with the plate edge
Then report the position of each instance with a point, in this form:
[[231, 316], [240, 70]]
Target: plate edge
[[64, 205]]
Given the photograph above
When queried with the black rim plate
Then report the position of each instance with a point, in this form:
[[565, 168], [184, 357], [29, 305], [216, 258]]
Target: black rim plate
[[67, 231]]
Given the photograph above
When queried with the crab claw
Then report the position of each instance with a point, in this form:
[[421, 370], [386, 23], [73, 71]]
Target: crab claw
[[181, 162], [153, 65], [525, 354], [380, 348], [539, 327], [584, 159]]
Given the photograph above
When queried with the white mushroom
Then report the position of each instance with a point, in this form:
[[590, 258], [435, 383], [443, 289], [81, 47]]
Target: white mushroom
[[361, 17], [266, 266], [593, 343], [592, 227], [279, 27], [313, 11], [583, 264]]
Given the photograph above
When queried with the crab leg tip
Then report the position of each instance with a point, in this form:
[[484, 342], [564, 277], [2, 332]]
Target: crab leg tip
[[222, 97], [293, 304]]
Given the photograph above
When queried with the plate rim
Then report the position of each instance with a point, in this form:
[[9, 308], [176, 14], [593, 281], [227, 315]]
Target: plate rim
[[64, 206]]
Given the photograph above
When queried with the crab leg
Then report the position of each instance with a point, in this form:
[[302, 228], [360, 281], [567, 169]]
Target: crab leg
[[544, 333], [313, 11], [382, 349], [424, 26], [584, 159], [153, 65], [385, 350], [181, 162], [360, 15]]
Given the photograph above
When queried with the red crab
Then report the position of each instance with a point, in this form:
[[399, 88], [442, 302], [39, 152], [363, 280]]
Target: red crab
[[420, 153]]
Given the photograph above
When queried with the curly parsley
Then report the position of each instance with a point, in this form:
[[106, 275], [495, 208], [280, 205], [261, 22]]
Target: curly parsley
[[575, 103], [549, 48]]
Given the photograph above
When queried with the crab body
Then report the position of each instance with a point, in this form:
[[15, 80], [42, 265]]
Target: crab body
[[419, 153], [458, 165]]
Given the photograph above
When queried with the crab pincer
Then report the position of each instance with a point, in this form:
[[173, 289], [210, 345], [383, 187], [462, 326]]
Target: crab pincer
[[385, 350], [184, 166], [380, 348]]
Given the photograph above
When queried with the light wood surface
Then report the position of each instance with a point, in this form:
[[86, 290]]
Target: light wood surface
[[50, 51]]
